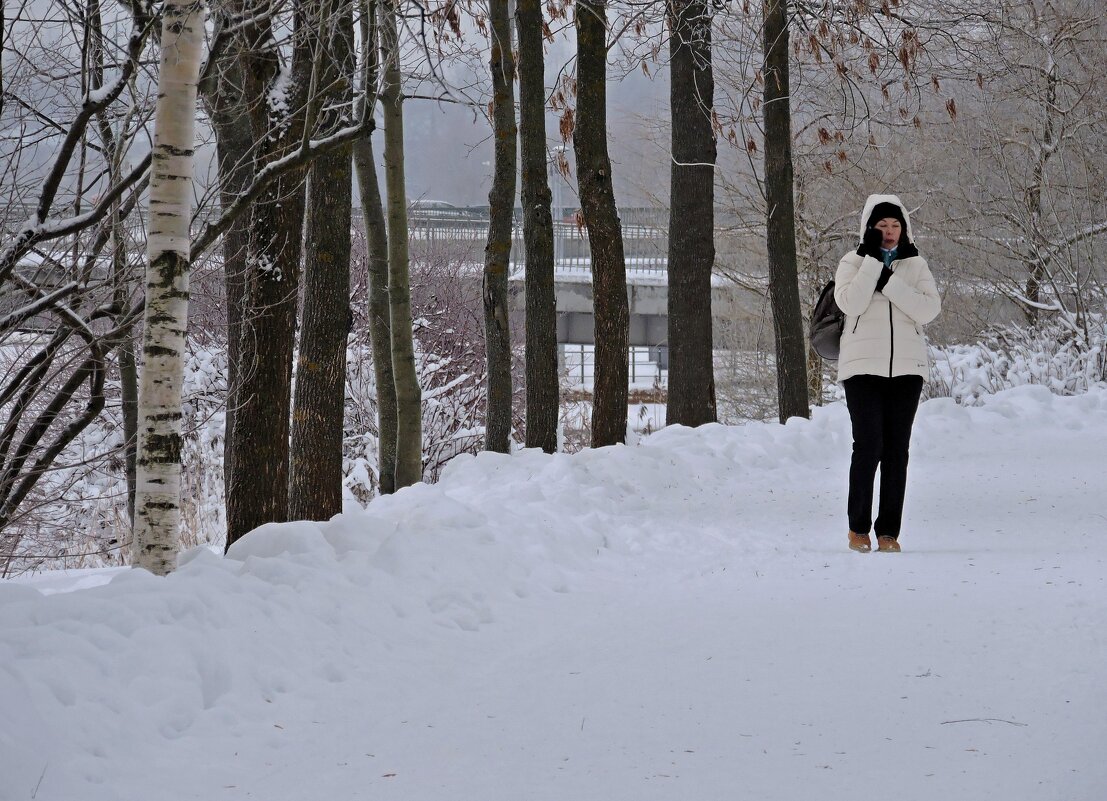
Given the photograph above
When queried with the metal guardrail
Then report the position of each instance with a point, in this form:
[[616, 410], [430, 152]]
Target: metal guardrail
[[645, 243]]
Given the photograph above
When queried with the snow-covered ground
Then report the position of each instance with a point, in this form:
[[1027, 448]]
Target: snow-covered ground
[[676, 620]]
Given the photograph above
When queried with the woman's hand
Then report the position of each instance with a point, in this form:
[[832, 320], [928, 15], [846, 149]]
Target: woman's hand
[[870, 245], [882, 281]]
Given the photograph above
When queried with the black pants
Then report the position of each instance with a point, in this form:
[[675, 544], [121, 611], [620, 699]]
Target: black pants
[[882, 411]]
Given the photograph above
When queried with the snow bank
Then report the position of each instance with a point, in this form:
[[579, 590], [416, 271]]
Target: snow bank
[[311, 645]]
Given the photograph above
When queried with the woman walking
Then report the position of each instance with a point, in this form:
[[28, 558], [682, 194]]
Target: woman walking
[[888, 294]]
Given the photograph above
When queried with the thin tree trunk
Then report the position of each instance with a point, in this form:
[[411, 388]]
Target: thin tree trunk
[[315, 491], [380, 327], [121, 280], [376, 234], [233, 151], [128, 380], [259, 493], [541, 307], [814, 377], [791, 357], [691, 400], [157, 500], [497, 252], [125, 354], [601, 217], [1036, 267], [409, 435]]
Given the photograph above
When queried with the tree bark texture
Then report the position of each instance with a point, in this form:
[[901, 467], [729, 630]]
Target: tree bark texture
[[541, 308], [258, 492], [376, 235], [315, 490], [380, 326], [601, 217], [691, 400], [791, 356], [158, 480], [409, 435], [497, 251], [128, 383]]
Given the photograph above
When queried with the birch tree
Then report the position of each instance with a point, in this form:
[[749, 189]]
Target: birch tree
[[157, 496], [74, 101]]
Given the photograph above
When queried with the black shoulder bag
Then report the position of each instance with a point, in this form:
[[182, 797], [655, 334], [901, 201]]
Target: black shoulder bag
[[827, 322]]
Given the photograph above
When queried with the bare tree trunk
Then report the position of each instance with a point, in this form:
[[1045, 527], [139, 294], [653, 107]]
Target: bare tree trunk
[[228, 106], [128, 382], [791, 357], [380, 327], [1039, 245], [376, 234], [691, 399], [597, 202], [259, 492], [315, 491], [157, 499], [541, 307], [497, 252], [409, 435], [125, 352]]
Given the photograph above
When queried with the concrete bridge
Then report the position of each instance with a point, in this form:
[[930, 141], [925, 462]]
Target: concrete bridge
[[647, 295], [645, 243]]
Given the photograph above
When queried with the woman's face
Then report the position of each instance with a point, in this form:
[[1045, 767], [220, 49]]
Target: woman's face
[[891, 229]]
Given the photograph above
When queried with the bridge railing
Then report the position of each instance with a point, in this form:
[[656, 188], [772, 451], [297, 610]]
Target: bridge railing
[[645, 236]]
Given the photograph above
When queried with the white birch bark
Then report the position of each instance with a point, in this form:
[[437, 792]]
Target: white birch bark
[[158, 479]]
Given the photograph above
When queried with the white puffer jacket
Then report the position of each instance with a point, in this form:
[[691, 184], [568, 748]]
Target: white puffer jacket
[[883, 334]]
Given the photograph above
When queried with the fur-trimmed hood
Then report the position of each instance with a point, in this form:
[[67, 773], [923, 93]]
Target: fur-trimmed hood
[[871, 203]]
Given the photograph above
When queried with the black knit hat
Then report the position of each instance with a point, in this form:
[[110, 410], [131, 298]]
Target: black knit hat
[[884, 210]]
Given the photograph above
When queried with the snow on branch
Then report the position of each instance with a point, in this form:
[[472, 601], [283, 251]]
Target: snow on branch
[[270, 172], [40, 229], [41, 303]]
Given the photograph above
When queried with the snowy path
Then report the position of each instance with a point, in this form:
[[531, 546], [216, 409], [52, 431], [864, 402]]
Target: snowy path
[[679, 620]]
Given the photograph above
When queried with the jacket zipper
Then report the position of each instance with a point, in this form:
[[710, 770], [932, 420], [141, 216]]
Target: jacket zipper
[[891, 340]]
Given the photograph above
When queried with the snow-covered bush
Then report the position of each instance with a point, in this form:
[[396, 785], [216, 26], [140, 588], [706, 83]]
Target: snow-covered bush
[[203, 500], [360, 478], [1064, 358]]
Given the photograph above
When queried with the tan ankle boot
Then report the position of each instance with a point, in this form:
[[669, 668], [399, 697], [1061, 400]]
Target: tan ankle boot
[[860, 542], [887, 544]]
